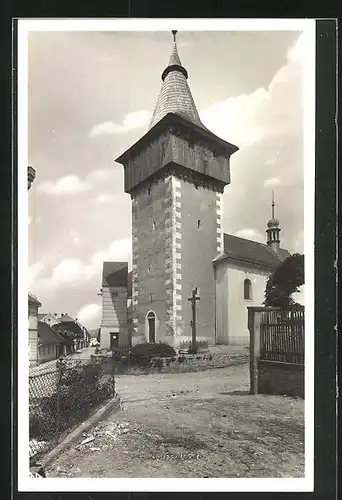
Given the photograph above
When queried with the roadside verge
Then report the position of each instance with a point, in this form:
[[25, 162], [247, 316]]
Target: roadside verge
[[110, 407]]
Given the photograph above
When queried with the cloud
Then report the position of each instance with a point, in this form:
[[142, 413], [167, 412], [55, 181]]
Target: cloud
[[34, 272], [89, 315], [234, 119], [70, 184], [298, 243], [75, 237], [265, 112], [119, 250], [250, 234], [273, 181], [130, 122], [70, 271], [105, 198], [296, 53], [101, 175], [73, 273]]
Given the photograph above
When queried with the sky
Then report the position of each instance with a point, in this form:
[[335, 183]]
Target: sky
[[90, 97]]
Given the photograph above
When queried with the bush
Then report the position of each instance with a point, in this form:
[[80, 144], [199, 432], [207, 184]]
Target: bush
[[79, 390], [158, 363], [142, 354], [193, 349]]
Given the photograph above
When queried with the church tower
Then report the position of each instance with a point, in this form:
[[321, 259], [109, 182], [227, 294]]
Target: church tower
[[273, 230], [176, 174]]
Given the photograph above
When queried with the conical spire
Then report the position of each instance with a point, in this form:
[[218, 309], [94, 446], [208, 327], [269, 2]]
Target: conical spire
[[175, 96], [174, 59]]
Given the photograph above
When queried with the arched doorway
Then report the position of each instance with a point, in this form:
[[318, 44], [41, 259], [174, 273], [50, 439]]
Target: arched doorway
[[151, 321]]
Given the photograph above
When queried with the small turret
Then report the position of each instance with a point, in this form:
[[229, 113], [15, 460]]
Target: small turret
[[273, 230]]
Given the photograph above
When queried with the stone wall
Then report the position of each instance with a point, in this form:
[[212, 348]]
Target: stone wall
[[281, 378], [201, 362], [188, 363], [200, 244], [152, 254]]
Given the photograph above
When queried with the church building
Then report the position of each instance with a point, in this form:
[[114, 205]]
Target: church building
[[176, 174]]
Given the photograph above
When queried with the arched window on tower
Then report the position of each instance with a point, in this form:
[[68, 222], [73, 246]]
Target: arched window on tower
[[247, 289]]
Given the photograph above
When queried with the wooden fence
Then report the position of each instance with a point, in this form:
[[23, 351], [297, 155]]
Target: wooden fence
[[276, 350], [282, 335]]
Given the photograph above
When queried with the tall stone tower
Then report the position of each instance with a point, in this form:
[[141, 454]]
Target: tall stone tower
[[175, 174]]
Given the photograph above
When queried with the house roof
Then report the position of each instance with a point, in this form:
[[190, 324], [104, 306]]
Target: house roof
[[115, 274], [65, 318], [43, 315], [47, 335], [33, 299], [175, 95], [93, 333], [251, 252]]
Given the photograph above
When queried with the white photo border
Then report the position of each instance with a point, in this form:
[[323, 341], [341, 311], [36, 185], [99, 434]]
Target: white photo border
[[25, 483]]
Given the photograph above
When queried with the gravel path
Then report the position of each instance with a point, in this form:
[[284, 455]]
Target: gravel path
[[192, 425]]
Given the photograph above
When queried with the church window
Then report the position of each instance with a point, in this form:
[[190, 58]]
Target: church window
[[247, 289], [149, 269], [153, 225], [198, 223]]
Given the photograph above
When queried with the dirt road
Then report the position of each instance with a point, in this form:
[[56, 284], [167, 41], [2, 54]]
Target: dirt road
[[192, 425]]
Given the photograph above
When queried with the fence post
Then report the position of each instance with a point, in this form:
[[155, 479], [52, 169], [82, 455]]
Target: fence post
[[254, 319]]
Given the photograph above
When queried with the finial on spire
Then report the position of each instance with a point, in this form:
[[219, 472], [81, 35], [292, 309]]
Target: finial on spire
[[174, 32], [273, 204]]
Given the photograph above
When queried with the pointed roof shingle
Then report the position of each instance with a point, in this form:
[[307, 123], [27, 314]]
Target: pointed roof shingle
[[175, 95]]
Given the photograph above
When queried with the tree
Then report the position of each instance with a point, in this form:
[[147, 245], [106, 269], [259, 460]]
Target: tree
[[286, 280]]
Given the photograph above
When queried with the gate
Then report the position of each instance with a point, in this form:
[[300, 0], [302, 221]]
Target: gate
[[282, 335]]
